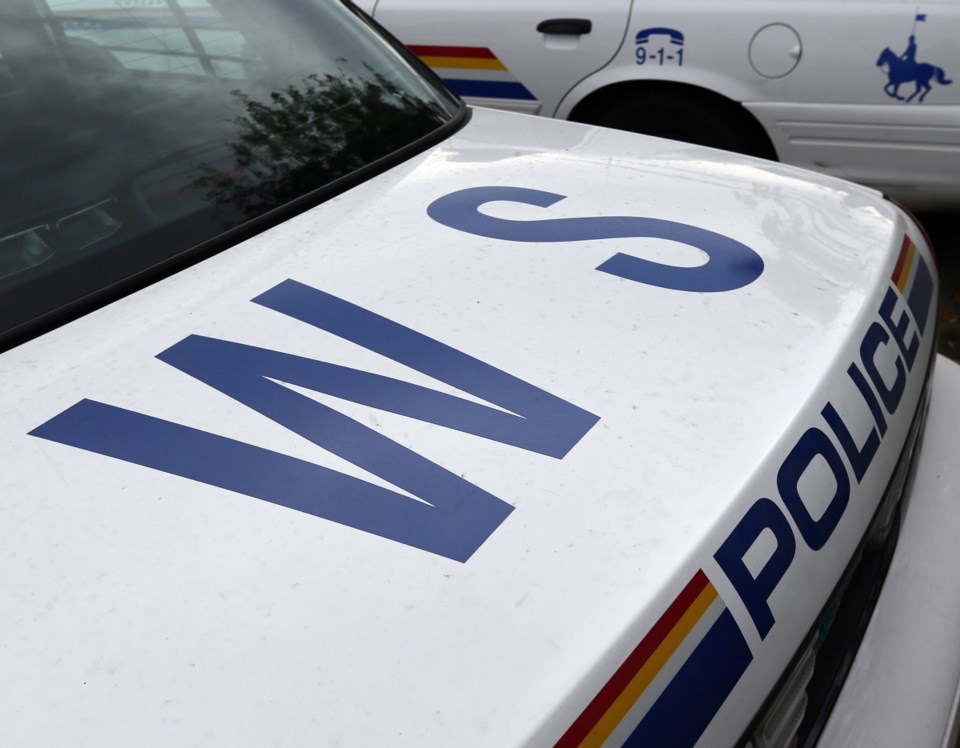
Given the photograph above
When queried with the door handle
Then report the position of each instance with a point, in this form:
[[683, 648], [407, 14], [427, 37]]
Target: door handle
[[568, 26]]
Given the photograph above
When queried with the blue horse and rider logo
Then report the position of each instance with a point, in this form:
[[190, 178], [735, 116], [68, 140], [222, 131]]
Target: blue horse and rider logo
[[905, 69]]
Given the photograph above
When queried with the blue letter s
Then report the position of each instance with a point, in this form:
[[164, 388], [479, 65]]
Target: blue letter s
[[730, 264]]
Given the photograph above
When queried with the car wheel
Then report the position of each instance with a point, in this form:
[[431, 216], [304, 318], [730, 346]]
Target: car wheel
[[691, 118]]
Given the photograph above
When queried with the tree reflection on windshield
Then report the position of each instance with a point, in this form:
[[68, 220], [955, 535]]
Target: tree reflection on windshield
[[136, 134], [313, 133]]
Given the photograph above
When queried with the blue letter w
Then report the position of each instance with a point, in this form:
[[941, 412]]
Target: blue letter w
[[455, 516]]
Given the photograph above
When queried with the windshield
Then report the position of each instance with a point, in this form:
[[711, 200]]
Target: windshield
[[134, 130]]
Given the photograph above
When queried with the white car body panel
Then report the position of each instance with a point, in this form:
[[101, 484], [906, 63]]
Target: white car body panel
[[902, 689], [855, 142], [796, 66], [145, 608]]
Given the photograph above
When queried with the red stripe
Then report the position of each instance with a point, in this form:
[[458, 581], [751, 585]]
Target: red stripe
[[422, 50], [900, 260], [620, 679]]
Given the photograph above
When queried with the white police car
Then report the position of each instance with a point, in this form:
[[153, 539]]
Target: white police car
[[869, 91], [336, 414]]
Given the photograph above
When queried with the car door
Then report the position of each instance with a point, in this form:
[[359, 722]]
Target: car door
[[500, 53]]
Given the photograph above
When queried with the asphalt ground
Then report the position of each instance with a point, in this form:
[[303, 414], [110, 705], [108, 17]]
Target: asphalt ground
[[944, 230]]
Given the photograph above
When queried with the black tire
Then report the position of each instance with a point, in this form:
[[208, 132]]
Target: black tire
[[691, 118]]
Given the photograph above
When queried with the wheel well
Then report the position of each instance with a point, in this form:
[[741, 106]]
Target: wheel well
[[593, 106]]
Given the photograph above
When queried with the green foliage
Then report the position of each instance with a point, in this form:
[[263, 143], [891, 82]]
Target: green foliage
[[304, 137]]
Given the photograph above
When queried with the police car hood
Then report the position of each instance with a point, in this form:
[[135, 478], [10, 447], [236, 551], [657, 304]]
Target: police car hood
[[417, 469]]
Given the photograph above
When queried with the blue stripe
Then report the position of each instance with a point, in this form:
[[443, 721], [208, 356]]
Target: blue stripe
[[695, 695], [920, 293], [490, 89]]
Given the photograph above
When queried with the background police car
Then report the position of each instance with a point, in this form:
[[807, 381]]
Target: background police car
[[863, 91]]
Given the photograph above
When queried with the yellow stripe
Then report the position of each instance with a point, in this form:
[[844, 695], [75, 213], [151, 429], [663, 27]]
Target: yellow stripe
[[635, 688], [465, 63], [907, 264]]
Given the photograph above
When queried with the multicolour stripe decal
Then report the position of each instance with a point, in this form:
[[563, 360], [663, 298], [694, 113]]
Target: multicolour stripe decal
[[913, 279], [473, 71], [673, 683]]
